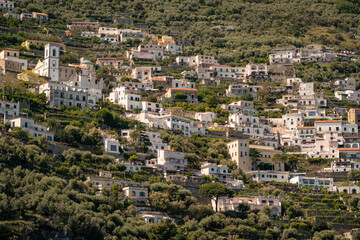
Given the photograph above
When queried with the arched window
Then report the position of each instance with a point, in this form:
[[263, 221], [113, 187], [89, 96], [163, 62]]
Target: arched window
[[54, 53]]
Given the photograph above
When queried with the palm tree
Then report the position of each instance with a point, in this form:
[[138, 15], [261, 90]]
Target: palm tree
[[255, 157]]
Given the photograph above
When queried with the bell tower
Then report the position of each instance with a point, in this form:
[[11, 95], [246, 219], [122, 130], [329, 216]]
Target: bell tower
[[51, 61]]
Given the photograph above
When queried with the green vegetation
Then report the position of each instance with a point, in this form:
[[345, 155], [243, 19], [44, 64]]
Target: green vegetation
[[258, 25], [44, 189]]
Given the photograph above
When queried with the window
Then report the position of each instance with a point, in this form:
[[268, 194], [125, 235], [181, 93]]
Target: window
[[113, 148]]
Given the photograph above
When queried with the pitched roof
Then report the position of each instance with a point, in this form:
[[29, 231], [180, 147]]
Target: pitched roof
[[306, 128], [10, 49], [216, 65], [38, 13], [328, 121], [349, 149], [110, 59], [158, 79], [185, 89]]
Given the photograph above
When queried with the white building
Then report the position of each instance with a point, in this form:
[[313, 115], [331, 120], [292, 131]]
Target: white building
[[239, 152], [154, 138], [152, 107], [172, 122], [182, 83], [257, 72], [126, 34], [156, 141], [136, 194], [314, 182], [103, 173], [244, 107], [89, 34], [139, 86], [241, 89], [292, 84], [173, 48], [50, 66], [196, 61], [156, 50], [112, 145], [145, 73], [223, 71], [342, 166], [9, 108], [36, 130], [130, 98], [302, 136], [203, 73], [347, 84], [141, 56], [302, 100], [61, 94], [250, 125], [269, 176], [349, 189], [322, 126], [7, 5], [86, 77], [255, 203], [155, 217], [325, 145], [219, 171], [349, 154], [182, 60], [205, 116], [108, 30], [13, 55], [126, 96], [348, 95], [171, 162], [201, 60], [240, 73], [292, 121], [133, 167], [306, 89], [281, 57]]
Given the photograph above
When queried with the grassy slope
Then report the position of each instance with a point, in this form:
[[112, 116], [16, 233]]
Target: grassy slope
[[259, 25]]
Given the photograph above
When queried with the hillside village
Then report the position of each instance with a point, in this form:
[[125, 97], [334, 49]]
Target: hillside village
[[179, 139]]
